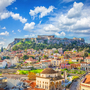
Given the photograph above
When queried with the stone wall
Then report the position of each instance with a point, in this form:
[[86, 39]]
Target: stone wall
[[8, 70]]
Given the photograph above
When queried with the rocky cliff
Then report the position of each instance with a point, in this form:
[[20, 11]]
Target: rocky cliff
[[16, 40]]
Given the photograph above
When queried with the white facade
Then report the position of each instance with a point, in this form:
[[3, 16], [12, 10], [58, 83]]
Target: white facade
[[3, 64], [15, 60]]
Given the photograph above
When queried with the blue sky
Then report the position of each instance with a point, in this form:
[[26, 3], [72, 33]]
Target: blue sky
[[29, 18]]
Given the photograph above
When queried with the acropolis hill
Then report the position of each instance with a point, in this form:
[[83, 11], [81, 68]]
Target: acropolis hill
[[49, 39]]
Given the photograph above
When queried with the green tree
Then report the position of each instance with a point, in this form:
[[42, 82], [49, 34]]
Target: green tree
[[45, 56], [7, 57], [85, 54], [25, 57], [39, 59], [32, 57], [56, 51]]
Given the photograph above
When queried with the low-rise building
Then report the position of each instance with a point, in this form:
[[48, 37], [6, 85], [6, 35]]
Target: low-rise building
[[3, 64], [83, 66], [87, 59], [49, 80], [65, 65], [75, 66]]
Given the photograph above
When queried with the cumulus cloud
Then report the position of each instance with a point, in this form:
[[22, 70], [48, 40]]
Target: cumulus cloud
[[4, 13], [4, 28], [42, 10], [18, 17], [76, 10], [5, 3], [50, 27], [29, 26], [60, 34], [82, 24], [76, 20], [4, 33]]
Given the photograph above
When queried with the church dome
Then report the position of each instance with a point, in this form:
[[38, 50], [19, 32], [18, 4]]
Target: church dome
[[48, 71]]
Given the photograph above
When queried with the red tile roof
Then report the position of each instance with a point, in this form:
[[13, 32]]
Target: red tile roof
[[38, 63], [33, 84], [87, 57], [31, 59], [83, 63], [87, 81]]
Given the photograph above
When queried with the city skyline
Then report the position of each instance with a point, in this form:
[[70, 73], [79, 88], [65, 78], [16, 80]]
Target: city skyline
[[27, 18]]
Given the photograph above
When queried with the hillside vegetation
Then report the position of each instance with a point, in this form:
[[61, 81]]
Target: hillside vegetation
[[31, 44]]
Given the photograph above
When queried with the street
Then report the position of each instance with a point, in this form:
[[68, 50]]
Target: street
[[75, 85]]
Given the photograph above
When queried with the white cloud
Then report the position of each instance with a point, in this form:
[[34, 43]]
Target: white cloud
[[29, 26], [50, 27], [5, 3], [4, 33], [42, 10], [19, 30], [76, 20], [40, 22], [76, 10], [18, 17], [2, 43], [26, 36], [4, 28], [30, 36], [63, 19], [4, 13], [60, 34], [82, 24], [12, 30], [67, 1], [15, 8]]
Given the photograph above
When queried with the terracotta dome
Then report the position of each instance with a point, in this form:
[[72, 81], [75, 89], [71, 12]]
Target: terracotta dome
[[48, 71]]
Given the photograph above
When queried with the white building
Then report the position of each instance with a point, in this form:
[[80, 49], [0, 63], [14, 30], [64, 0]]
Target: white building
[[3, 64], [15, 60], [49, 80]]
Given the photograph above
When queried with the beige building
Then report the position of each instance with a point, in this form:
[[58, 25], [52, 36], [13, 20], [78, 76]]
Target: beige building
[[85, 85], [49, 80], [87, 60], [57, 61]]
